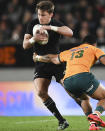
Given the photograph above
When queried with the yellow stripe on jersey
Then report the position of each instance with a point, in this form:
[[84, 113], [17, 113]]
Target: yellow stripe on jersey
[[80, 59]]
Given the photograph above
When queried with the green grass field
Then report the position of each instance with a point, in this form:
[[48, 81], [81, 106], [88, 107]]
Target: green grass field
[[45, 123]]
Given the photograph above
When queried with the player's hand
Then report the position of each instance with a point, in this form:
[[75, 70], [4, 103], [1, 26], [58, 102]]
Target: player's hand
[[38, 37], [34, 57], [44, 27]]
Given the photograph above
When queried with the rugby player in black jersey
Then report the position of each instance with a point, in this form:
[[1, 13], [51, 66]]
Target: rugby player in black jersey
[[44, 71]]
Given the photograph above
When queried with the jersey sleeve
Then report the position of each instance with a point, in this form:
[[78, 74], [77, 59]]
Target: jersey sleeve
[[63, 56], [99, 53], [57, 23], [29, 28]]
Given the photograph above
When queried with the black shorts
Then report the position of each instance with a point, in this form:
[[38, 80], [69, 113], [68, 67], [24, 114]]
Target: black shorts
[[47, 70]]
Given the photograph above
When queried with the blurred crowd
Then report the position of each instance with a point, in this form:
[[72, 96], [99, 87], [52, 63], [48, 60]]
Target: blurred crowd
[[82, 16]]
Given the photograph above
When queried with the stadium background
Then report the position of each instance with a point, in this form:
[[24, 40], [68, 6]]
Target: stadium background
[[17, 92]]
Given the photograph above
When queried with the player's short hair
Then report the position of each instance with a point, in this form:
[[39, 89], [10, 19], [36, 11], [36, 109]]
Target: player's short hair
[[90, 39], [45, 5]]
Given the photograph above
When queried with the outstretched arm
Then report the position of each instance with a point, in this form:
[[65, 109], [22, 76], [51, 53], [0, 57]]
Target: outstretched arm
[[54, 58], [46, 58], [102, 59]]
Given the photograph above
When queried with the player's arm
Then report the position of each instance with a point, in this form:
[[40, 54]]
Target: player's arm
[[63, 30], [28, 41], [54, 58], [46, 58], [100, 55], [102, 59]]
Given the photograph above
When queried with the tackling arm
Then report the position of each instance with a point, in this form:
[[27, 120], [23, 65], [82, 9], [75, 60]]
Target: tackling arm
[[102, 59], [54, 59], [46, 58]]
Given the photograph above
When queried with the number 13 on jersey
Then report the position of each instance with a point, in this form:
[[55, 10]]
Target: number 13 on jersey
[[77, 54]]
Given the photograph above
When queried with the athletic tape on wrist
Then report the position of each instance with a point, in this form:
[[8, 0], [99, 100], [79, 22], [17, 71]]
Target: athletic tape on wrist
[[54, 28], [32, 41], [38, 58]]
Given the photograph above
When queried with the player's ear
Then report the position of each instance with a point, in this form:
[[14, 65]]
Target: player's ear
[[51, 14]]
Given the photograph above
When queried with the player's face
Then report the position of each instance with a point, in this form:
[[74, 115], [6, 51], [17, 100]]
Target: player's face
[[44, 17]]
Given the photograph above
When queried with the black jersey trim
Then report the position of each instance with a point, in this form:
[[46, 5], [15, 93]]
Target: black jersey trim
[[59, 58]]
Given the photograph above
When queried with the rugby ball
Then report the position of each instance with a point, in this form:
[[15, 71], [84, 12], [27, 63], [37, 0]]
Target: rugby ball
[[36, 29]]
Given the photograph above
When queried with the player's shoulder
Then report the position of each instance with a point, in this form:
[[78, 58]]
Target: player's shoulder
[[74, 48], [91, 48], [88, 46], [65, 52], [34, 22], [56, 22]]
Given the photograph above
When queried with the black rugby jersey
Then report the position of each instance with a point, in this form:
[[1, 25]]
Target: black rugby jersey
[[52, 47]]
